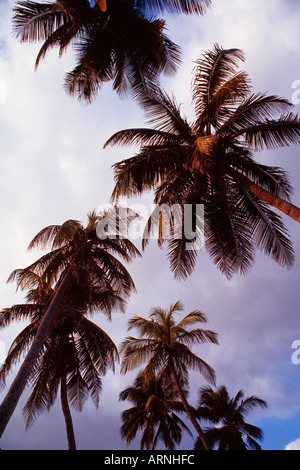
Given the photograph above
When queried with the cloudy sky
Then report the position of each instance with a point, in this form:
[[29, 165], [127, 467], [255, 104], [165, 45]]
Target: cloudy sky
[[53, 168]]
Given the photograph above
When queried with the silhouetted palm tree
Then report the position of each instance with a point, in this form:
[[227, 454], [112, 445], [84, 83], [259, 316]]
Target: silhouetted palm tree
[[81, 266], [210, 162], [155, 412], [230, 430], [165, 346], [114, 40], [74, 356]]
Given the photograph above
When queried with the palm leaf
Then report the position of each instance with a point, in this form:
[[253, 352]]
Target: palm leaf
[[164, 113], [275, 180], [18, 347], [101, 349], [228, 233], [212, 70], [57, 235], [135, 352], [273, 133], [142, 137], [234, 90], [146, 170], [269, 233], [61, 37], [185, 358], [255, 108], [35, 21], [178, 6], [19, 312]]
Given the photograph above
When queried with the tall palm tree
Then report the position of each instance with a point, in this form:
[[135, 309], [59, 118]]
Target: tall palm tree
[[210, 161], [114, 40], [155, 411], [74, 356], [165, 345], [81, 266], [230, 430]]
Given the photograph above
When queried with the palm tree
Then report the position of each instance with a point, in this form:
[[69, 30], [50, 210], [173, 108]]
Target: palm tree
[[81, 266], [210, 162], [114, 41], [165, 345], [154, 410], [74, 356], [230, 430]]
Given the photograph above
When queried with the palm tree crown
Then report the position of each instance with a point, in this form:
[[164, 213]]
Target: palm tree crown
[[114, 41], [164, 342], [94, 262], [155, 411], [165, 345], [74, 356], [210, 162], [230, 431]]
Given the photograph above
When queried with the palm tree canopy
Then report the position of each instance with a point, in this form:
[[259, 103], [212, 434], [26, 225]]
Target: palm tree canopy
[[81, 270], [117, 42], [100, 281], [155, 412], [75, 350], [210, 162], [163, 341], [230, 430]]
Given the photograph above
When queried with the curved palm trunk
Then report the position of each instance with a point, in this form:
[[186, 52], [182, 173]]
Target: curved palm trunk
[[188, 408], [17, 387], [67, 414], [275, 201]]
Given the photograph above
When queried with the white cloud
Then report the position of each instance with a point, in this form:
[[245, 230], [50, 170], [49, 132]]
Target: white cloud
[[294, 445]]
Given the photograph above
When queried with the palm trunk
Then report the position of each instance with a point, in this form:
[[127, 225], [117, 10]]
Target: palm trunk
[[275, 201], [188, 409], [67, 413], [17, 387]]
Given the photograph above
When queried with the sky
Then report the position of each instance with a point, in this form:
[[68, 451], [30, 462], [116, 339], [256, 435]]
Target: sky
[[53, 168]]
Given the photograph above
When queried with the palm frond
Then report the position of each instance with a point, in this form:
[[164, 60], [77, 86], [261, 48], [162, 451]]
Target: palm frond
[[142, 137], [25, 278], [269, 233], [146, 170], [148, 328], [232, 92], [164, 113], [34, 21], [37, 403], [54, 233], [196, 316], [101, 349], [275, 180], [19, 312], [135, 352], [182, 260], [18, 348], [254, 109], [228, 234], [212, 70], [249, 403], [273, 134], [184, 356], [178, 6], [61, 37]]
